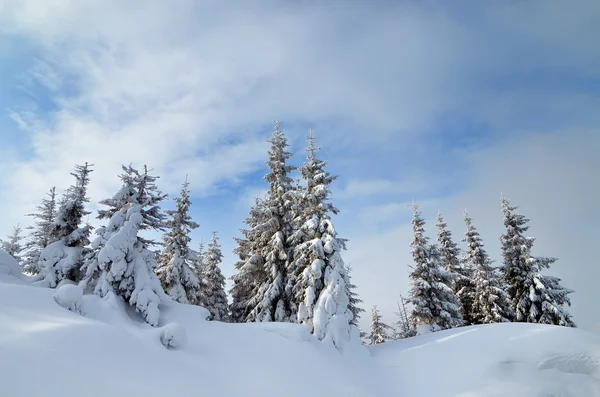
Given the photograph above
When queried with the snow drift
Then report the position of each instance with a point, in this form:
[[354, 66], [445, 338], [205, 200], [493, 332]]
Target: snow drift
[[61, 343]]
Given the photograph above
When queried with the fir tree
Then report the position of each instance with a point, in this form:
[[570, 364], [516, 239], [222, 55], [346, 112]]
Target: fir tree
[[63, 258], [40, 236], [378, 332], [435, 306], [490, 303], [175, 265], [353, 298], [462, 285], [272, 300], [535, 298], [122, 264], [213, 282], [12, 245]]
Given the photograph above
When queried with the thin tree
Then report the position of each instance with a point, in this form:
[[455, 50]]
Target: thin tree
[[40, 235], [12, 245], [403, 328], [535, 298], [213, 282]]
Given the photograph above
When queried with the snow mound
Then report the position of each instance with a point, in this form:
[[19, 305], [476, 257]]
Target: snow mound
[[9, 266], [295, 332], [69, 296], [573, 363], [173, 336]]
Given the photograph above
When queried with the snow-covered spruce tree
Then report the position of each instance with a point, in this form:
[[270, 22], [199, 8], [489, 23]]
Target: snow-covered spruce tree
[[462, 285], [213, 282], [535, 298], [121, 264], [490, 302], [175, 265], [196, 263], [435, 306], [39, 238], [250, 266], [403, 327], [12, 245], [378, 331], [63, 258], [272, 300], [353, 298]]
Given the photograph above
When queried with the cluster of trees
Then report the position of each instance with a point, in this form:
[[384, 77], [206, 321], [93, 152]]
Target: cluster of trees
[[290, 267], [451, 287]]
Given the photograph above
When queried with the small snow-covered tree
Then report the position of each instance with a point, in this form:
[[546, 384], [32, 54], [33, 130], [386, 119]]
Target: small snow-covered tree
[[175, 265], [435, 306], [63, 258], [122, 264], [12, 245], [535, 298], [213, 282], [490, 302], [40, 236], [272, 300], [403, 328], [353, 298], [378, 332], [462, 285]]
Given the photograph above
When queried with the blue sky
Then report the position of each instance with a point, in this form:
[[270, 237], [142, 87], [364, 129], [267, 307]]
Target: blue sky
[[448, 103]]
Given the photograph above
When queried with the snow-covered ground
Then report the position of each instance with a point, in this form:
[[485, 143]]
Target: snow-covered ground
[[101, 348]]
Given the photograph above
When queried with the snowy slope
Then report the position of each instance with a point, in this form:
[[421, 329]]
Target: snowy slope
[[47, 350]]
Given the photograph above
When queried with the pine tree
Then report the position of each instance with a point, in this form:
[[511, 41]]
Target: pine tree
[[462, 285], [12, 245], [175, 265], [535, 298], [213, 282], [272, 300], [121, 264], [403, 328], [250, 266], [40, 237], [490, 303], [435, 306], [63, 258], [378, 332]]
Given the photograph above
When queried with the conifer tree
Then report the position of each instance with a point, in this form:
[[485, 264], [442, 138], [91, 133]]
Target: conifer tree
[[462, 285], [490, 303], [353, 298], [378, 332], [435, 306], [535, 298], [175, 265], [213, 282], [12, 245], [272, 300], [40, 236], [63, 258], [122, 265]]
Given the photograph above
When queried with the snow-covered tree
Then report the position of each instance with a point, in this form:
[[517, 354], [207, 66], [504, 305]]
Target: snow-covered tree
[[272, 300], [122, 264], [535, 298], [213, 282], [63, 258], [12, 245], [403, 327], [490, 302], [250, 266], [353, 298], [40, 236], [175, 264], [435, 306], [462, 285], [378, 331]]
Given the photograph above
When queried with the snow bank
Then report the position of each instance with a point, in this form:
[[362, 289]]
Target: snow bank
[[9, 266], [110, 350]]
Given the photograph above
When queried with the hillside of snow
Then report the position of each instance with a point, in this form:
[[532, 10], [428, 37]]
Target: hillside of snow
[[102, 348]]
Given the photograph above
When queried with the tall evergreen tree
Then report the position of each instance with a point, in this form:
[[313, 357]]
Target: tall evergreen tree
[[490, 303], [63, 258], [378, 332], [435, 306], [462, 285], [213, 282], [12, 245], [40, 236], [535, 298], [175, 265], [122, 265], [272, 300]]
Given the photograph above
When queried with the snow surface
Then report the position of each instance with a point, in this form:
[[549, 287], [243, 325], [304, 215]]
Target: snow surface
[[47, 350]]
